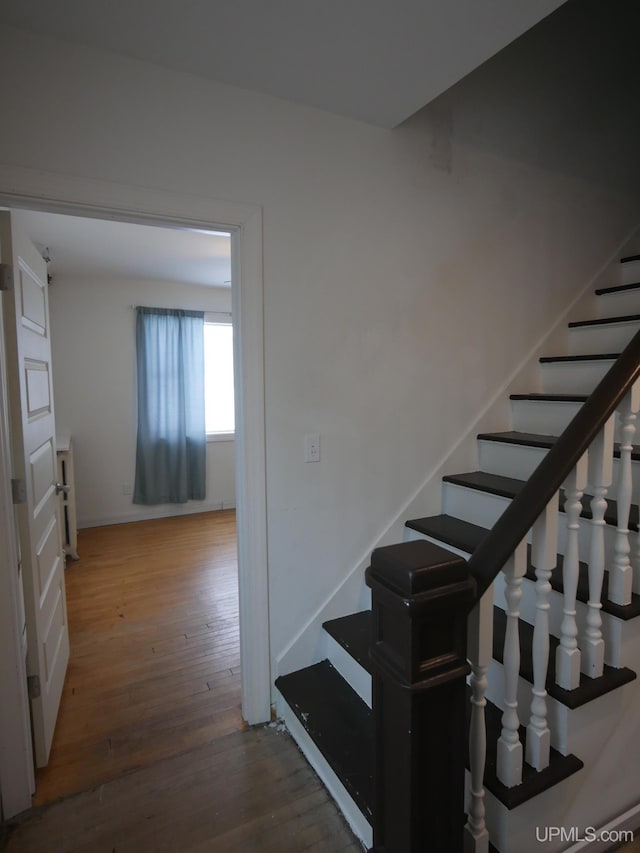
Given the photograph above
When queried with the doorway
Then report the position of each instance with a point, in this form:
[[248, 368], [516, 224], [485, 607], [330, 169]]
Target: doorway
[[55, 193]]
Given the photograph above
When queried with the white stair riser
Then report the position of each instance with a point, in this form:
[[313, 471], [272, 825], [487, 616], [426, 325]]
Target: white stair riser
[[471, 505], [630, 272], [618, 304], [572, 729], [484, 509], [411, 535], [347, 666], [573, 377], [520, 461], [543, 416], [547, 417], [602, 338]]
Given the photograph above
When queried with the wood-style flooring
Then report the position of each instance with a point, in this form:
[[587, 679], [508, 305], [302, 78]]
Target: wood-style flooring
[[150, 751]]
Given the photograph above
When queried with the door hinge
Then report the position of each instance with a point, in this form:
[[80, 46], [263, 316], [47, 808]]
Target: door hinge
[[33, 686], [6, 277], [18, 491]]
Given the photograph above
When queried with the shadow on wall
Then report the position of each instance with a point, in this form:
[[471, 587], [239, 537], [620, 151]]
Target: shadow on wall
[[561, 97]]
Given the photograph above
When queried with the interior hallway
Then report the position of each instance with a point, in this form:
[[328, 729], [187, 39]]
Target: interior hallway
[[150, 751]]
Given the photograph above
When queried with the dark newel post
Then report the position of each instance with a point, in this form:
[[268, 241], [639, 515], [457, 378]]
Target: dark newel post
[[421, 597]]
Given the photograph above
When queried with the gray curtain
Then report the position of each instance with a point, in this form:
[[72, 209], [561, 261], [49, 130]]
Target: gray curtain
[[171, 444]]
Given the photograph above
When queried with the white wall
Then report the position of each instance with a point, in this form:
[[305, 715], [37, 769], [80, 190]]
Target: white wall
[[405, 272], [94, 368]]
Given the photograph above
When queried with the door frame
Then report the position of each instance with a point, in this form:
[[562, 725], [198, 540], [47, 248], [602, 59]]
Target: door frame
[[36, 190]]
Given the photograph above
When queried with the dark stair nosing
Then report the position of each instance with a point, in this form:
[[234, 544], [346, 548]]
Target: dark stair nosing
[[568, 359], [603, 321], [509, 487], [589, 689], [544, 442], [553, 398], [534, 782], [629, 258], [353, 633], [617, 288], [467, 537], [339, 723]]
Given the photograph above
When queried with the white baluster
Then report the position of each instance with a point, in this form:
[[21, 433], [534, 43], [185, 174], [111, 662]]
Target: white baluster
[[544, 550], [480, 652], [568, 653], [620, 572], [600, 471], [635, 406], [509, 757]]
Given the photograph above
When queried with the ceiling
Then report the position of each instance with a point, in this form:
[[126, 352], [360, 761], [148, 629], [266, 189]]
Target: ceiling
[[99, 248], [377, 61]]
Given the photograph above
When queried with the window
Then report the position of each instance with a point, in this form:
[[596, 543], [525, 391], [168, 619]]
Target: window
[[218, 377]]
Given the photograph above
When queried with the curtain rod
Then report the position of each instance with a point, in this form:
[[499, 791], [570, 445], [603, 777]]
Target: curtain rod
[[205, 310]]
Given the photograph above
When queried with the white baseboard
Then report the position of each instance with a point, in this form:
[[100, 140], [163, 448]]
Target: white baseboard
[[163, 511]]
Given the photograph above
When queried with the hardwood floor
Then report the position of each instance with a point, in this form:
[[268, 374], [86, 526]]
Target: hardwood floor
[[150, 751]]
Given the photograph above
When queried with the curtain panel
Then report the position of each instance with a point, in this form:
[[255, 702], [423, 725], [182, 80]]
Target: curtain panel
[[171, 440]]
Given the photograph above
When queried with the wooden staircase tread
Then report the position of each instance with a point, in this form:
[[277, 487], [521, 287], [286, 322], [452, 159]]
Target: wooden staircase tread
[[552, 398], [603, 321], [466, 537], [564, 359], [450, 530], [524, 439], [484, 481], [617, 288], [629, 258], [534, 782], [353, 633], [339, 723], [509, 487], [532, 439], [589, 689]]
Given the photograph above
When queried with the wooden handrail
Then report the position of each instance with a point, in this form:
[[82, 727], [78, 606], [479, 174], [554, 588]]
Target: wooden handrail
[[518, 518]]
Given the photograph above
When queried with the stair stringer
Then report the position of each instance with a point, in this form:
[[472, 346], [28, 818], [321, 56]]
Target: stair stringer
[[350, 594], [607, 739]]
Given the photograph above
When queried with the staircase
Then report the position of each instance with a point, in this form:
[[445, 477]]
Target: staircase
[[590, 775]]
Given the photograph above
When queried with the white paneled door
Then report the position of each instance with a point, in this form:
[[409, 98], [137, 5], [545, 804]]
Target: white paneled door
[[38, 510]]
